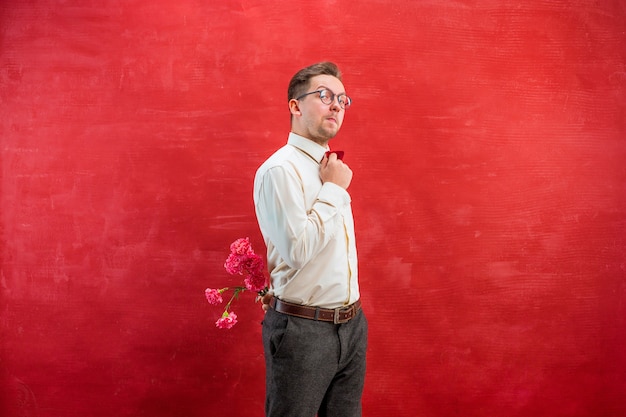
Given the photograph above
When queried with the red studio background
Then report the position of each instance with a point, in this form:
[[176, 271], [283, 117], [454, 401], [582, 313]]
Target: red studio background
[[488, 141]]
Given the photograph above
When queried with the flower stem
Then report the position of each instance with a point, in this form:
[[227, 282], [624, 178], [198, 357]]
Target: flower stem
[[236, 292]]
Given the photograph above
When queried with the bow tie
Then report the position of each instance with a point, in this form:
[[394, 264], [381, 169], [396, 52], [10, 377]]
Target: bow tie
[[339, 154]]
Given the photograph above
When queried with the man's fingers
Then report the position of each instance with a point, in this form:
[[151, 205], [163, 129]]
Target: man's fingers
[[265, 301]]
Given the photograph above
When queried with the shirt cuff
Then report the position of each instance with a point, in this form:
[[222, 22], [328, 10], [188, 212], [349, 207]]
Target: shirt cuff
[[334, 195]]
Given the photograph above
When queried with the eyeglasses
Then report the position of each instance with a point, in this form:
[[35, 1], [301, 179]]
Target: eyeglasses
[[328, 97]]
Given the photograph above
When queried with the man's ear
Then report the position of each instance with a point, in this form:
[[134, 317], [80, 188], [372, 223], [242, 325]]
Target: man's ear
[[294, 107]]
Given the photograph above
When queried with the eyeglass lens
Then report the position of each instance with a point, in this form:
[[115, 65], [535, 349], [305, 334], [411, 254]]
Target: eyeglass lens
[[328, 96]]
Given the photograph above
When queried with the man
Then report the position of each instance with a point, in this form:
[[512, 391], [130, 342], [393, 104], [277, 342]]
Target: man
[[314, 331]]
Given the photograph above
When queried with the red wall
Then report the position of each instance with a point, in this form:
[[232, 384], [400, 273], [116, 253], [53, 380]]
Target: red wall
[[488, 141]]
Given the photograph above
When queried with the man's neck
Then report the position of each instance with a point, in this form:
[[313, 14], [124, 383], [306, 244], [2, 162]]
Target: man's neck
[[320, 141]]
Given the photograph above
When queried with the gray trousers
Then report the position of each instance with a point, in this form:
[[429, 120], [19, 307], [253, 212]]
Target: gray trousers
[[313, 367]]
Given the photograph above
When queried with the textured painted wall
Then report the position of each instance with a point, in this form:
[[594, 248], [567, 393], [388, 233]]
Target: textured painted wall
[[488, 141]]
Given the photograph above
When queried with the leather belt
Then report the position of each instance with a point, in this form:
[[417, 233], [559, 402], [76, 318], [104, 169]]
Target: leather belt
[[334, 315]]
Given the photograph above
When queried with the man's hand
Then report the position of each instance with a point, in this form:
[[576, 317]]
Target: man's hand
[[336, 171], [265, 301]]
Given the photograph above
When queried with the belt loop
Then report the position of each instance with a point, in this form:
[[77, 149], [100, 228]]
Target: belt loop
[[317, 313], [336, 316]]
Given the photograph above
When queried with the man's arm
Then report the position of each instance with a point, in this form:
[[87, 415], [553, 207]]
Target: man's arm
[[298, 233]]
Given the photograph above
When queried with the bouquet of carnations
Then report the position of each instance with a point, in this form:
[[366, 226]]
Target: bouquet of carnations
[[241, 261]]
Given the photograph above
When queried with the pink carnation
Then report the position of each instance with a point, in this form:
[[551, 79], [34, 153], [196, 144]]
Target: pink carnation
[[254, 264], [233, 264], [241, 246], [250, 263], [255, 282], [241, 261], [213, 296], [227, 321]]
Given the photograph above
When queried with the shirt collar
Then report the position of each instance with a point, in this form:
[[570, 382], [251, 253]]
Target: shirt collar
[[307, 146]]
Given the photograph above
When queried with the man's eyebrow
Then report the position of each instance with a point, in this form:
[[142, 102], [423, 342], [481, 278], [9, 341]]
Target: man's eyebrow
[[328, 88]]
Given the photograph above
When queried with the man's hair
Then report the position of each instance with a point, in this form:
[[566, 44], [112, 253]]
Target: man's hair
[[300, 82]]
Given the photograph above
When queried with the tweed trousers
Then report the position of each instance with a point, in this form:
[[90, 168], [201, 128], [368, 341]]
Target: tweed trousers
[[314, 367]]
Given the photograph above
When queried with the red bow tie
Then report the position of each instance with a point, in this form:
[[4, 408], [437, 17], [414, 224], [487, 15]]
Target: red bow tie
[[338, 153]]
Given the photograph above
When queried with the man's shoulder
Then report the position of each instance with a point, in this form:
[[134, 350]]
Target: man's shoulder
[[280, 157]]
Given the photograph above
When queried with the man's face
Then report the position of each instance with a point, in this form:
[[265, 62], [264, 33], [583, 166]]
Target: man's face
[[316, 120]]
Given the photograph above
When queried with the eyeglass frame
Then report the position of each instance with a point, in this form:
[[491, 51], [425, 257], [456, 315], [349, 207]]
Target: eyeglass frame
[[332, 97]]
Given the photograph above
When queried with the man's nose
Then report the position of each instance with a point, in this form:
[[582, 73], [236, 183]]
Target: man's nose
[[335, 104]]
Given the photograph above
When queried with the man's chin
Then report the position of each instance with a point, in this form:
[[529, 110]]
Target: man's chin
[[329, 133]]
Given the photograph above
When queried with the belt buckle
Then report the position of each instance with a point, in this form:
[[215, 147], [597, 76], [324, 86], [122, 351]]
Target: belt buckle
[[337, 320]]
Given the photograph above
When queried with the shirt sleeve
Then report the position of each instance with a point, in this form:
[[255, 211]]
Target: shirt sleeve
[[298, 232]]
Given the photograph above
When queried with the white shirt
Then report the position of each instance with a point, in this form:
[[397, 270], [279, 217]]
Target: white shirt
[[307, 226]]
